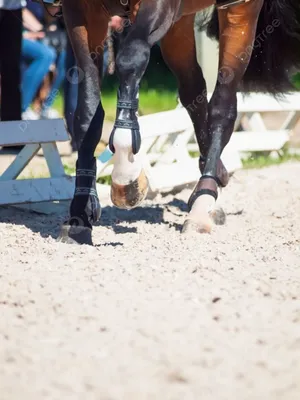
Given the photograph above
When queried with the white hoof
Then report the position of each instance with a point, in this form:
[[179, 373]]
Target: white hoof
[[200, 217], [129, 182]]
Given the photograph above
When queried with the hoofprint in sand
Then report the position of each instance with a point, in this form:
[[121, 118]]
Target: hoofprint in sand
[[150, 314]]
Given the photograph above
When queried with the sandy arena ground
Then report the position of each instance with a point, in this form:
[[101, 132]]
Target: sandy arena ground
[[147, 314]]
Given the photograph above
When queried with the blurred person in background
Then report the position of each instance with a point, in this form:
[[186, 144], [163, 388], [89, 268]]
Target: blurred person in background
[[55, 38], [10, 58], [37, 59]]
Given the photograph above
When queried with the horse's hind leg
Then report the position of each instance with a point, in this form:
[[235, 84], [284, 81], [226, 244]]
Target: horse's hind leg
[[129, 183], [87, 27], [179, 51], [237, 34]]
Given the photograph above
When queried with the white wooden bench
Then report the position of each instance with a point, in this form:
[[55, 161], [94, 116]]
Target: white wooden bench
[[168, 138], [251, 133], [34, 135], [252, 107]]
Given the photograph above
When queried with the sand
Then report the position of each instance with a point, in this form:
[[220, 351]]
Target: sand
[[148, 313]]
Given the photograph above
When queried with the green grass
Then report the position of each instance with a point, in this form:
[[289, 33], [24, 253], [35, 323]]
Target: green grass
[[151, 101], [69, 170], [259, 160], [296, 80]]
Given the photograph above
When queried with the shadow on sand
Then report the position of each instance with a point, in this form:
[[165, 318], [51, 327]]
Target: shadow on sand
[[49, 224]]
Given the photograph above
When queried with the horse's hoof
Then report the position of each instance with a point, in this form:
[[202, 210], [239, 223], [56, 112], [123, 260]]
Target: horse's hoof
[[131, 195], [202, 215], [201, 225], [203, 221], [129, 183], [218, 216], [75, 235]]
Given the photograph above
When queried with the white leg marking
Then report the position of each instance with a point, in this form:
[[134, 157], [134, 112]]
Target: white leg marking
[[127, 166]]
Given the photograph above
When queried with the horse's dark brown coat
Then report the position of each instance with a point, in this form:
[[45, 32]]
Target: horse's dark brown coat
[[172, 23]]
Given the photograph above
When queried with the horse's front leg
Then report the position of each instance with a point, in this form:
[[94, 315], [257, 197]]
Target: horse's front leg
[[237, 33], [129, 182], [87, 27]]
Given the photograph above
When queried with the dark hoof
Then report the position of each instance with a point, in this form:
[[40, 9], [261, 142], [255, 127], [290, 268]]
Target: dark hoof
[[218, 216], [75, 235], [131, 195]]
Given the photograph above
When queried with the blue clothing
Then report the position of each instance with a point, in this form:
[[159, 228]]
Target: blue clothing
[[37, 10], [58, 81], [57, 57], [39, 58]]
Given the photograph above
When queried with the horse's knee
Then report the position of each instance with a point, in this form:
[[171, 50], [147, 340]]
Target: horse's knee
[[132, 57]]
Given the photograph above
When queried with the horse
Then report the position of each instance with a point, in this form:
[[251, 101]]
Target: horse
[[259, 48]]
